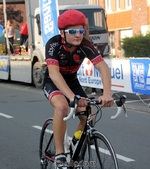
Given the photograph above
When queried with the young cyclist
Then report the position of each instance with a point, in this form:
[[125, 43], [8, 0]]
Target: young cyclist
[[64, 56]]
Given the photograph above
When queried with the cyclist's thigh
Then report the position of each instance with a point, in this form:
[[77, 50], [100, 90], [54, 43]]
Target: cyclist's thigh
[[55, 96], [77, 88]]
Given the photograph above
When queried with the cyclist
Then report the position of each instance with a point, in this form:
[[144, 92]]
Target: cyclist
[[64, 55]]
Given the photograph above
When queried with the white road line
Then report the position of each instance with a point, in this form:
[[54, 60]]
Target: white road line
[[123, 158], [126, 159], [5, 115]]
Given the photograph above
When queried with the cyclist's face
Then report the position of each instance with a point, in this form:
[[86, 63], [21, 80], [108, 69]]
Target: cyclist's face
[[74, 35]]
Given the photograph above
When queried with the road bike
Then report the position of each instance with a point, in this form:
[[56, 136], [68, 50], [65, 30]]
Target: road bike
[[93, 150]]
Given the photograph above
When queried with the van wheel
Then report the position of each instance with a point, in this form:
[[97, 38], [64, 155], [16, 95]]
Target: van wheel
[[37, 75]]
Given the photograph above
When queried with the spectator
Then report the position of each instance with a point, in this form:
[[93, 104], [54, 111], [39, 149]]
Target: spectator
[[11, 36], [23, 36]]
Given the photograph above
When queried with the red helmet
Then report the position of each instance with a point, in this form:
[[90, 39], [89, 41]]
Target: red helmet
[[71, 17]]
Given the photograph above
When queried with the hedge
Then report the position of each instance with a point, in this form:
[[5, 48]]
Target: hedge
[[136, 46]]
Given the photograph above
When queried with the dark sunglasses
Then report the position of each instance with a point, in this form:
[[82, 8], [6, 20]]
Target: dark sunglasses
[[74, 31]]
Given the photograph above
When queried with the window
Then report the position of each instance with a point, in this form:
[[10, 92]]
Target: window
[[38, 23], [117, 5], [128, 4], [112, 39], [108, 5]]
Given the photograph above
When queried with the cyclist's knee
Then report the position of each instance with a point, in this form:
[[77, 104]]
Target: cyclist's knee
[[62, 109], [60, 106]]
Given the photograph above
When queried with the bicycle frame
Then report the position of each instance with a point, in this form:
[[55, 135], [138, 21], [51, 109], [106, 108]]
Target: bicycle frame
[[86, 131]]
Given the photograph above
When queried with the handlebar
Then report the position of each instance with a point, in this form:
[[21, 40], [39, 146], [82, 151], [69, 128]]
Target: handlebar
[[73, 106], [121, 107], [119, 103]]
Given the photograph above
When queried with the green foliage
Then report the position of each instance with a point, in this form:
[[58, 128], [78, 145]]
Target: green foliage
[[136, 46], [2, 49]]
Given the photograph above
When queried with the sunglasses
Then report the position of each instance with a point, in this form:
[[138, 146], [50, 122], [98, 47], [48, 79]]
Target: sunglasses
[[74, 31]]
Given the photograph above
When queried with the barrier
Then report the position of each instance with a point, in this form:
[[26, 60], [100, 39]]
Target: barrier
[[127, 75]]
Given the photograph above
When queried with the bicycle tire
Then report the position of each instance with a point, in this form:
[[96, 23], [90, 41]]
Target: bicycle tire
[[98, 153], [47, 146]]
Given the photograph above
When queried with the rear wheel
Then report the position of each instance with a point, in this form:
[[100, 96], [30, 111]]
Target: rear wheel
[[98, 153], [47, 146]]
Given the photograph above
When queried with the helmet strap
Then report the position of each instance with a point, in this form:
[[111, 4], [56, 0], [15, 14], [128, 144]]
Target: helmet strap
[[66, 43]]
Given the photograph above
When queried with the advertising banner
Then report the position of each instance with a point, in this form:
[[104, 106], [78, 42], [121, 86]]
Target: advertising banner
[[89, 76], [140, 75], [49, 16], [4, 67]]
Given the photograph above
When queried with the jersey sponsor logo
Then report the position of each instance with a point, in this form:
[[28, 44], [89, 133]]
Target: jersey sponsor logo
[[76, 58], [51, 48]]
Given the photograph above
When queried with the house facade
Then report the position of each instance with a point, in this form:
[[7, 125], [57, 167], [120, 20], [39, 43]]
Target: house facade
[[125, 18]]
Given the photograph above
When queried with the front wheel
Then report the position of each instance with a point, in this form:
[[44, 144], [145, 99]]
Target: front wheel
[[47, 146], [37, 75], [98, 153]]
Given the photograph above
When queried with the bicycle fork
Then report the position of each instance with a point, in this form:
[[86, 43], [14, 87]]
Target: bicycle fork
[[67, 143]]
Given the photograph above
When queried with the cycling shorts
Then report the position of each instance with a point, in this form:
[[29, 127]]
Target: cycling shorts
[[51, 90]]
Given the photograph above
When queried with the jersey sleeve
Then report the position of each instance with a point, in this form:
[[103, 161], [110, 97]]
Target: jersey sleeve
[[91, 52], [51, 51]]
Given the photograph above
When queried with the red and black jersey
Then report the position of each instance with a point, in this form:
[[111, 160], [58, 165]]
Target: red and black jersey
[[69, 62]]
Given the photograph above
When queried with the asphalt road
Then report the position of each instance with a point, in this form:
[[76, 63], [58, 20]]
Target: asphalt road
[[23, 110]]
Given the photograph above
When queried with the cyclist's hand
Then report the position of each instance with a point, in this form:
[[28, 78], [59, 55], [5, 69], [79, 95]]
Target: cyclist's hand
[[106, 100], [82, 102]]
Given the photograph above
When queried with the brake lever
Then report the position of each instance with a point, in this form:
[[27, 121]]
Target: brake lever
[[121, 107], [125, 112]]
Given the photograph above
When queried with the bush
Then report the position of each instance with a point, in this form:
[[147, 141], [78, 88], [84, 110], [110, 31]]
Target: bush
[[136, 46], [2, 49]]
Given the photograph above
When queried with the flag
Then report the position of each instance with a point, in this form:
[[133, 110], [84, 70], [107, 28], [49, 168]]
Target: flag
[[48, 18]]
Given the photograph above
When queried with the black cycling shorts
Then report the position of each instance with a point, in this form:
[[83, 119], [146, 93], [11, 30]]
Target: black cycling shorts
[[51, 90]]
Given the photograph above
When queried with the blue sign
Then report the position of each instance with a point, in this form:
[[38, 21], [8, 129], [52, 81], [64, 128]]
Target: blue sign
[[1, 29], [4, 63], [49, 17], [140, 75]]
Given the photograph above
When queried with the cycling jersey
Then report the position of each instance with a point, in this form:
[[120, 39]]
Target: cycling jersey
[[69, 63]]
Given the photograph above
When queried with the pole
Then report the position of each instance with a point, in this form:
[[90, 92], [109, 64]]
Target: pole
[[5, 21]]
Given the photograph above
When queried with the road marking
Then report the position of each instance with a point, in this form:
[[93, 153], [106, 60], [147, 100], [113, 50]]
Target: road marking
[[48, 131], [5, 115], [123, 158]]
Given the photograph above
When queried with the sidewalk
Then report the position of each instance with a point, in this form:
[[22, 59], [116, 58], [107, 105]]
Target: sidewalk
[[133, 101]]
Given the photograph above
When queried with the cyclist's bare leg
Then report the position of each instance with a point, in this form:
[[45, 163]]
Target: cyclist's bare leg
[[83, 119], [60, 105]]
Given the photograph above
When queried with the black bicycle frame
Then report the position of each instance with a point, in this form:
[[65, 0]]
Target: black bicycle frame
[[83, 136]]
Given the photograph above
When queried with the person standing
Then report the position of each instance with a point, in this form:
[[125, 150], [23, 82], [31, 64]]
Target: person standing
[[24, 37], [11, 36]]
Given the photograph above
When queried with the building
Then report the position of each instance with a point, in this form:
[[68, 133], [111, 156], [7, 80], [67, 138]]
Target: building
[[125, 18]]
